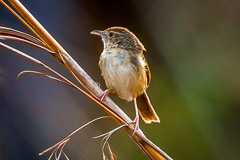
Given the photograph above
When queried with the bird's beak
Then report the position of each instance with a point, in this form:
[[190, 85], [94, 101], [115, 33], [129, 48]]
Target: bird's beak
[[99, 33]]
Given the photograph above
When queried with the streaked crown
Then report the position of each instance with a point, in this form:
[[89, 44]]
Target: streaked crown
[[119, 37]]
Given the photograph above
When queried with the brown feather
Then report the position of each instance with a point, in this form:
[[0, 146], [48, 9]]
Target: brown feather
[[146, 110], [148, 73]]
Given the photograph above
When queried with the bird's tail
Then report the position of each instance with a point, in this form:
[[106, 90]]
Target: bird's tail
[[146, 110]]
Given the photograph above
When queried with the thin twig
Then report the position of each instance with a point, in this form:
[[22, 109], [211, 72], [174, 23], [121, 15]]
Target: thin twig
[[106, 136], [72, 134], [25, 41], [42, 74], [110, 132]]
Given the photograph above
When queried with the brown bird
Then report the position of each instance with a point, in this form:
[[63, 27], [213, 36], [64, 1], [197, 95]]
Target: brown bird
[[125, 70]]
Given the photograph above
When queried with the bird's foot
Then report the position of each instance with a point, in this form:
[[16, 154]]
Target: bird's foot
[[136, 126], [105, 94], [136, 119]]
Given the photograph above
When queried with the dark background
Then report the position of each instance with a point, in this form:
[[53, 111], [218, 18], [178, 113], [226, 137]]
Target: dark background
[[193, 54]]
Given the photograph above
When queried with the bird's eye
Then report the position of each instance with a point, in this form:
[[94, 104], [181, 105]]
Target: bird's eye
[[111, 34]]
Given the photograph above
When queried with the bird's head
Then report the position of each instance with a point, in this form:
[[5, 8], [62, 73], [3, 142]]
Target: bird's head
[[119, 37]]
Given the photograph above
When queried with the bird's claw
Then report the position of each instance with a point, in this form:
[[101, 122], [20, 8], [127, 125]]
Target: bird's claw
[[136, 126], [104, 94]]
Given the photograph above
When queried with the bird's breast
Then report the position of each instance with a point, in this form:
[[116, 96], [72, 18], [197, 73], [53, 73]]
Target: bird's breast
[[124, 73]]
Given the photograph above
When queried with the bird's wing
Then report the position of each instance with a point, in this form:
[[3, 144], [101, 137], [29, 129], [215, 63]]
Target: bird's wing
[[147, 70]]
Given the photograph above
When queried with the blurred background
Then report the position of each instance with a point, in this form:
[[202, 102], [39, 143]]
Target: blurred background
[[193, 54]]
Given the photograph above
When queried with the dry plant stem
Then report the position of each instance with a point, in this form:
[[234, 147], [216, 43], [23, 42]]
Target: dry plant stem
[[25, 41], [72, 134], [150, 149], [42, 74], [63, 142], [110, 132], [66, 81], [105, 142], [24, 22], [41, 31], [113, 156], [66, 156], [15, 33]]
